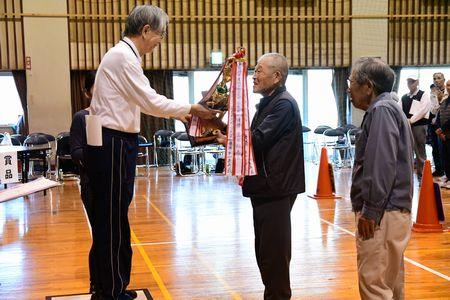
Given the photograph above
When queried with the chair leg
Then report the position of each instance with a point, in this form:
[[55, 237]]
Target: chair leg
[[58, 176], [155, 157], [147, 163]]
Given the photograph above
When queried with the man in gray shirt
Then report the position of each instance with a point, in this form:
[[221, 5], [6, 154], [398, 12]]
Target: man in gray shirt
[[382, 186]]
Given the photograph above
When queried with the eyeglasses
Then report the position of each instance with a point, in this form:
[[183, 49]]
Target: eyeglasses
[[369, 82], [349, 82], [162, 33]]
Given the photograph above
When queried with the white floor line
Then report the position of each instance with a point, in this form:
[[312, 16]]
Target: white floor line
[[443, 276], [151, 244]]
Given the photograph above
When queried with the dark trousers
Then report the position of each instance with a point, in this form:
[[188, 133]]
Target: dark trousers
[[272, 224], [86, 197], [420, 137], [111, 170], [436, 145]]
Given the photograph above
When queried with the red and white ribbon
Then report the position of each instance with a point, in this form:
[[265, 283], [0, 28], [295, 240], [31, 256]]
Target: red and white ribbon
[[239, 157], [195, 126]]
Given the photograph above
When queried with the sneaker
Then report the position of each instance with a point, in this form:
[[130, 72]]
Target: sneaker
[[447, 185], [442, 179]]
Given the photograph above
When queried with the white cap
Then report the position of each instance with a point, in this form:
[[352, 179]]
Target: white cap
[[413, 77]]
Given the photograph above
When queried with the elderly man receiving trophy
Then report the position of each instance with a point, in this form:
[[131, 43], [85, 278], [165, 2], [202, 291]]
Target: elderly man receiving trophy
[[273, 169]]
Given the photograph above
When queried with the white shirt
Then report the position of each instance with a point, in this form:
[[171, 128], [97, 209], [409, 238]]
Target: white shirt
[[424, 107], [122, 91]]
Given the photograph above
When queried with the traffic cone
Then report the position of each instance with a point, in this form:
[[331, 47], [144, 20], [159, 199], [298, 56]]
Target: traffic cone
[[325, 189], [427, 215]]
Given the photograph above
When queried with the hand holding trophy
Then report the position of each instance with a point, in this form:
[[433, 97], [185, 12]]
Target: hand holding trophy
[[200, 129]]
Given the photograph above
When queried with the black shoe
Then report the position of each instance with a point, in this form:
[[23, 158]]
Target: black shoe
[[131, 293], [96, 296], [124, 296], [437, 174]]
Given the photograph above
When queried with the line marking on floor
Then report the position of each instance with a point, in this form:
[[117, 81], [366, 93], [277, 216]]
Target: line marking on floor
[[443, 276], [218, 241], [234, 295], [150, 265]]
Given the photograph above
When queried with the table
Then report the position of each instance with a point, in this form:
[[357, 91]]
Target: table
[[25, 153]]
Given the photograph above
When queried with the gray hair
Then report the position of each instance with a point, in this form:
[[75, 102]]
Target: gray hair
[[142, 15], [375, 71], [278, 63]]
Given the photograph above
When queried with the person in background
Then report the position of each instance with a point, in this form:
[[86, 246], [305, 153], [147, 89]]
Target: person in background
[[121, 93], [437, 94], [443, 132], [416, 107], [77, 149], [382, 181]]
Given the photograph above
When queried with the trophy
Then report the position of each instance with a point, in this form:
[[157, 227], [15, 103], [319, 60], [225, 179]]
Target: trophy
[[215, 98]]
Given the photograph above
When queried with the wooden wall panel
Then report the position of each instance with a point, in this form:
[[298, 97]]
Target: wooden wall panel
[[11, 35], [310, 33], [419, 32]]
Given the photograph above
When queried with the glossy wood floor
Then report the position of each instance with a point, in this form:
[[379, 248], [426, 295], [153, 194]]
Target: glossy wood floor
[[193, 239]]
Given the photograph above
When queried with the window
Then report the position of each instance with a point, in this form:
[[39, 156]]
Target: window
[[294, 86], [10, 105], [203, 80], [322, 108], [180, 93]]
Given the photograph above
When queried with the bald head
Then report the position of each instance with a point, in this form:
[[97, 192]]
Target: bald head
[[277, 63], [270, 73]]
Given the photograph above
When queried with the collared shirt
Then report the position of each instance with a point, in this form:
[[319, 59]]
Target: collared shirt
[[424, 107], [122, 91], [382, 176]]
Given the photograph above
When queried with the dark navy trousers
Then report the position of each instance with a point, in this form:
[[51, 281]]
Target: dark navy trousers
[[111, 169]]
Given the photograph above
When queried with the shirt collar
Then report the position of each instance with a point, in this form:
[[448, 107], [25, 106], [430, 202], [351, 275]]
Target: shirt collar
[[413, 94], [382, 96], [265, 100], [133, 46]]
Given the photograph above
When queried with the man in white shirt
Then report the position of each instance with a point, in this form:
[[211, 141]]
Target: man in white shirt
[[416, 106], [121, 93]]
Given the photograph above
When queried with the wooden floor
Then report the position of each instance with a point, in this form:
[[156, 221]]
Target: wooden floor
[[193, 239]]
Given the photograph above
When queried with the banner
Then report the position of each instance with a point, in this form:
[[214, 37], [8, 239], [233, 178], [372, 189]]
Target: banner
[[8, 167], [239, 157]]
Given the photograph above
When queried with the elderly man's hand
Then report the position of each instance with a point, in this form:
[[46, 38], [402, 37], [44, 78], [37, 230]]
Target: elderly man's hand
[[203, 112], [366, 228], [214, 123], [221, 138]]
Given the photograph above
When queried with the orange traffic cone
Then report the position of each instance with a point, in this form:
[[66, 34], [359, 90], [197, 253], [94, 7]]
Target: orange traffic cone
[[325, 188], [427, 215]]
